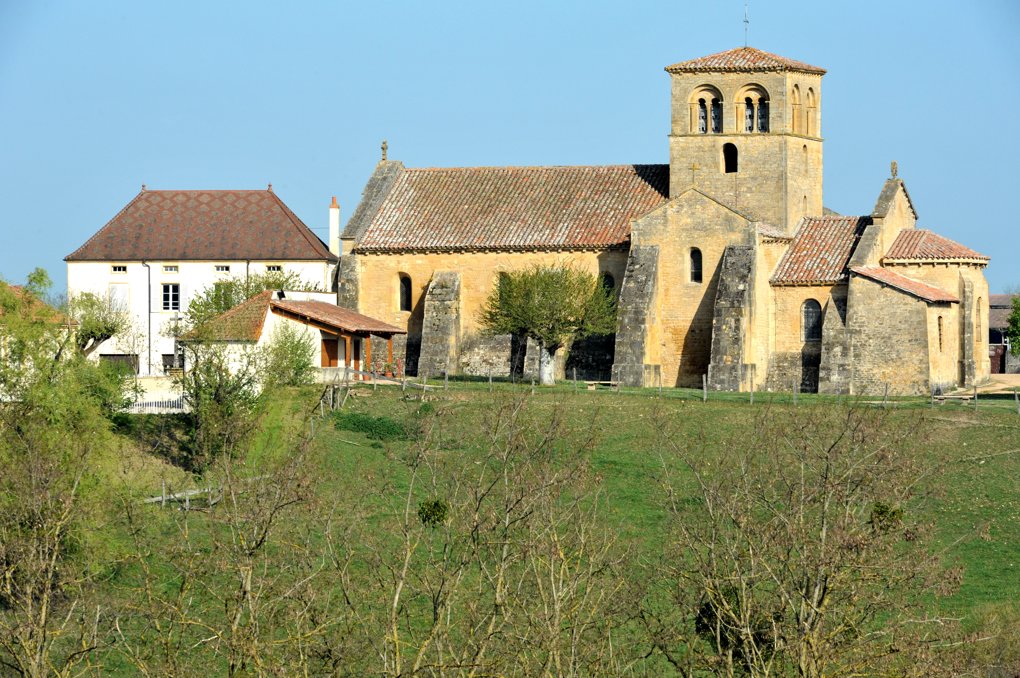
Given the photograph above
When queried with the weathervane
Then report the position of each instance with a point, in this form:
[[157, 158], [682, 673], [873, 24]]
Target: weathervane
[[747, 23]]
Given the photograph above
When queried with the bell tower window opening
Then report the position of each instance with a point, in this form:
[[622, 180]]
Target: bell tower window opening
[[811, 317], [695, 265], [763, 115], [811, 123], [730, 165], [702, 117], [405, 292], [795, 112], [716, 116], [748, 115]]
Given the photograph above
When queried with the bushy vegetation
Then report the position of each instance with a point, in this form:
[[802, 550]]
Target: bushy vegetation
[[374, 427]]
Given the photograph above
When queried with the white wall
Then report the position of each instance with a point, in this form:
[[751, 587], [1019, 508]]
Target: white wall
[[147, 338]]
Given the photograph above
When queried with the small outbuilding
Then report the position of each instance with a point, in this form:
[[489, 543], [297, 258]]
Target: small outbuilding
[[341, 337]]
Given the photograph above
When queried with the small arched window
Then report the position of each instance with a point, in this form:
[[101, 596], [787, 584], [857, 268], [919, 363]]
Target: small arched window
[[811, 122], [607, 281], [695, 265], [716, 116], [702, 117], [748, 114], [729, 152], [405, 292], [795, 112], [811, 320]]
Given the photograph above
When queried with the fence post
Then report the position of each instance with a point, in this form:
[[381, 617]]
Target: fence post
[[403, 384], [658, 374], [532, 386], [162, 492], [1016, 399], [575, 380], [321, 409], [752, 391], [975, 396], [490, 380], [932, 405], [446, 379], [375, 380], [885, 394], [796, 390], [704, 388]]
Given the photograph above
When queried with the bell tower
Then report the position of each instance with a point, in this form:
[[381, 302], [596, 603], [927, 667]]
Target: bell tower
[[746, 129]]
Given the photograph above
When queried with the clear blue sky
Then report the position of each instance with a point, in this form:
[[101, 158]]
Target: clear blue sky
[[99, 97]]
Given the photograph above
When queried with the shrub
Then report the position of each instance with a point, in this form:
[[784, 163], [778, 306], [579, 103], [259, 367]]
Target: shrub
[[289, 357], [375, 428], [433, 512]]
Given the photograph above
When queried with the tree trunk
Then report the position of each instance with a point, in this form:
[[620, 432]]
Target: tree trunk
[[546, 366]]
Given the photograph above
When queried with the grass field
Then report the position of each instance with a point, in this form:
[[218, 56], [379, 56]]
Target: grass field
[[359, 477]]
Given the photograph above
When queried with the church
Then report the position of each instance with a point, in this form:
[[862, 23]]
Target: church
[[728, 268]]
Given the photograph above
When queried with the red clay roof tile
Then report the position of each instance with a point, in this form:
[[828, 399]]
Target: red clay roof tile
[[919, 244], [742, 59], [514, 208], [204, 225], [820, 251], [902, 282], [336, 316]]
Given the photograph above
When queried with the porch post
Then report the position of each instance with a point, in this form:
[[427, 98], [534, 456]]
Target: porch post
[[368, 353]]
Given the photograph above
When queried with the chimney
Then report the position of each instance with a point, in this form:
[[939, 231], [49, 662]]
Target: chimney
[[334, 227]]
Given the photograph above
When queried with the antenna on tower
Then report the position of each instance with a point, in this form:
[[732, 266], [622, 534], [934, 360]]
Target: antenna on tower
[[747, 23]]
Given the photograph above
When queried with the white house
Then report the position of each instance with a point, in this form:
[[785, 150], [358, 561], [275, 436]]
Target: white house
[[164, 247]]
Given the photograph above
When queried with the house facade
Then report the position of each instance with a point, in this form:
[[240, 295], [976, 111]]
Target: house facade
[[728, 268], [165, 247]]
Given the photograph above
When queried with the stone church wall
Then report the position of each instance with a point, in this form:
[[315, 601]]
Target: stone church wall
[[733, 317], [635, 315]]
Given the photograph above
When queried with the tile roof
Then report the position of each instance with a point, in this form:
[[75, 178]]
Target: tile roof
[[905, 284], [820, 251], [918, 244], [29, 306], [1000, 308], [742, 59], [513, 208], [204, 225], [242, 323], [770, 232], [336, 317]]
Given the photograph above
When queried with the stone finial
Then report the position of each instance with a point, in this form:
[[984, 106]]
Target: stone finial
[[385, 147], [143, 188], [269, 188], [894, 168]]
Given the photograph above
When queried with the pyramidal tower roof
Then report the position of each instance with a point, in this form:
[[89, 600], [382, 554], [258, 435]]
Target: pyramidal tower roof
[[742, 59]]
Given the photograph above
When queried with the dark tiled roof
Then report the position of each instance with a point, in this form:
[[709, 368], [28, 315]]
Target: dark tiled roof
[[820, 251], [204, 225], [902, 282], [742, 59], [336, 317], [1000, 308], [918, 244], [513, 208]]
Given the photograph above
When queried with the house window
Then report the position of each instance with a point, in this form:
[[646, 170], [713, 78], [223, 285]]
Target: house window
[[274, 268], [695, 265], [118, 269], [405, 292], [170, 269], [729, 152], [173, 361], [171, 297], [118, 297], [220, 268], [811, 320]]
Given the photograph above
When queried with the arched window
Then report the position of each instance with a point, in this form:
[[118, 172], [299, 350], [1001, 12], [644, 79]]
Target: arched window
[[607, 281], [977, 321], [753, 108], [716, 116], [811, 126], [706, 110], [405, 292], [795, 109], [748, 114], [729, 152], [695, 265], [811, 320]]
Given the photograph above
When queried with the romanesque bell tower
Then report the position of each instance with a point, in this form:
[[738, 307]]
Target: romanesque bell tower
[[746, 129]]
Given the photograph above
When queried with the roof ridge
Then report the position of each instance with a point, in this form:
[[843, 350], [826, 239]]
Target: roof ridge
[[718, 62], [302, 227], [531, 167], [107, 225]]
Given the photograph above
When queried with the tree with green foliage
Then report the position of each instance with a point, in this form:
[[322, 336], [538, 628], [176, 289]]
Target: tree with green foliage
[[554, 305], [288, 359], [1013, 331], [95, 320], [54, 423]]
